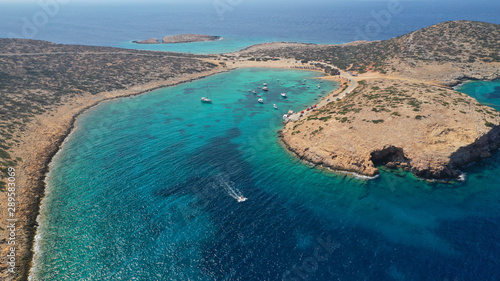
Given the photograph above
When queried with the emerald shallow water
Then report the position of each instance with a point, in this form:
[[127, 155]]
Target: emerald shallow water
[[145, 189]]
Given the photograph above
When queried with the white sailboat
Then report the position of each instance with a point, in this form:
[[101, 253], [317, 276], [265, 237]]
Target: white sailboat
[[208, 98]]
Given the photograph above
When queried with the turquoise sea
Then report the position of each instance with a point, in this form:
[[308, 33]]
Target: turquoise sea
[[146, 188]]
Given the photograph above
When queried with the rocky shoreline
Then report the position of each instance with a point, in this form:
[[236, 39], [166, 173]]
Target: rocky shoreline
[[419, 133], [394, 159]]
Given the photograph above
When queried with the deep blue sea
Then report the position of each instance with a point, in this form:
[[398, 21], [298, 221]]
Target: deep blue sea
[[240, 22], [146, 188]]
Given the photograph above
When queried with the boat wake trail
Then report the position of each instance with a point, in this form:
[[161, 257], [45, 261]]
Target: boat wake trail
[[230, 189]]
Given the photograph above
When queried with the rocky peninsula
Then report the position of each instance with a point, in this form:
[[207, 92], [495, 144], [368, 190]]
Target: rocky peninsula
[[426, 129], [181, 38], [403, 112]]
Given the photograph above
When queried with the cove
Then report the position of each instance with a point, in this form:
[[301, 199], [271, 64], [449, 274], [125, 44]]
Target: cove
[[143, 189]]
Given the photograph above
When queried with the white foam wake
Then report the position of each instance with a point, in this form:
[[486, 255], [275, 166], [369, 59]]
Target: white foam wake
[[230, 188]]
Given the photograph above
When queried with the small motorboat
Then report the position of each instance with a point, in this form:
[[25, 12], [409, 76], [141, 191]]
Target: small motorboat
[[255, 92], [265, 84], [261, 100], [275, 107], [282, 83], [319, 86], [242, 199], [265, 89], [284, 95]]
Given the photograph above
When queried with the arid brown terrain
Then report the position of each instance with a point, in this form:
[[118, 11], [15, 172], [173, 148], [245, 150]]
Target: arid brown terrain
[[419, 127], [447, 52]]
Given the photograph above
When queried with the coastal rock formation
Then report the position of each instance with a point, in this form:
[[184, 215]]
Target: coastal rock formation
[[181, 38], [147, 41], [186, 38], [426, 129]]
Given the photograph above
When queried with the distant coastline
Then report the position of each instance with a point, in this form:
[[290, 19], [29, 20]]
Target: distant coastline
[[181, 38]]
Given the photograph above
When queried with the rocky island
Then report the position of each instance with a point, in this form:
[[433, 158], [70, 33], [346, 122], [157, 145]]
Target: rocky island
[[403, 112], [181, 38]]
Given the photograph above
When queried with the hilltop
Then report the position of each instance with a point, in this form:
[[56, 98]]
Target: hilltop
[[447, 52], [428, 130]]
